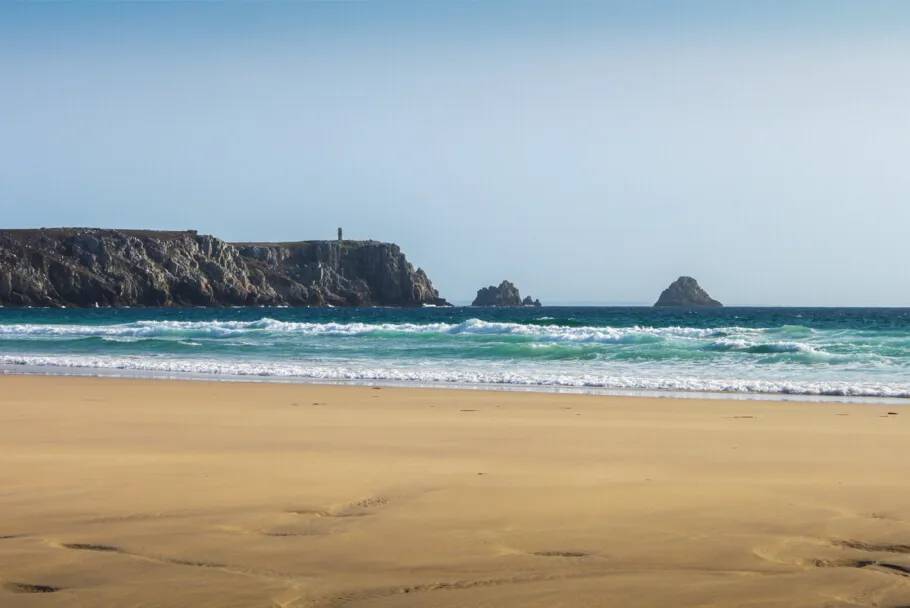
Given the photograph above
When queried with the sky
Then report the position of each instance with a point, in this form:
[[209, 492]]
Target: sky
[[590, 152]]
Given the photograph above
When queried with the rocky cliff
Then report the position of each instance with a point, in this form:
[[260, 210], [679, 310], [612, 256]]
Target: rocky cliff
[[94, 267], [504, 295], [685, 291]]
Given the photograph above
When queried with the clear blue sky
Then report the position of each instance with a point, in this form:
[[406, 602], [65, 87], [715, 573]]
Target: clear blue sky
[[587, 151]]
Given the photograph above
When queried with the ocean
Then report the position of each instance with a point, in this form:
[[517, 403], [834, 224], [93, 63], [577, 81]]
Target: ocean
[[837, 352]]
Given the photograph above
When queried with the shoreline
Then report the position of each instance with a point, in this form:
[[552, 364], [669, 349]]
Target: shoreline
[[103, 373], [173, 493]]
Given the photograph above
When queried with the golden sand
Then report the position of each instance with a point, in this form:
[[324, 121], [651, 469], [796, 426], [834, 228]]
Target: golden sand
[[158, 493]]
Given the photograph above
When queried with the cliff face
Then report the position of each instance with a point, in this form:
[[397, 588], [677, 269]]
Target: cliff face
[[504, 295], [89, 267], [685, 291]]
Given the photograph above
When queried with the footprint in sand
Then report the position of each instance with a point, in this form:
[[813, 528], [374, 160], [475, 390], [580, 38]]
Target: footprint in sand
[[161, 560], [871, 562], [311, 513], [29, 588], [561, 553], [859, 563], [358, 508], [871, 547], [92, 547]]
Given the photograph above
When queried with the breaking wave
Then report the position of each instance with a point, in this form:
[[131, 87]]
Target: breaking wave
[[461, 377], [474, 327], [750, 353]]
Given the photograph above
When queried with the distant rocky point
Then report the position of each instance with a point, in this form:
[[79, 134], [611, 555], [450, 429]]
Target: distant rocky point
[[86, 267], [685, 292], [504, 295]]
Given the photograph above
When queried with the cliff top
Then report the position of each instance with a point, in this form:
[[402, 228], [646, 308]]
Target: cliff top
[[31, 233], [26, 234], [294, 244]]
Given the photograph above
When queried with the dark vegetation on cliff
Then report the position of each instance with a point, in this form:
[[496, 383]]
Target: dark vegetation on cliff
[[504, 295], [95, 267]]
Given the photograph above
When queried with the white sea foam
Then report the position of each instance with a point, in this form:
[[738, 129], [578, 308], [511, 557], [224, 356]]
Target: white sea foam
[[472, 327], [464, 376]]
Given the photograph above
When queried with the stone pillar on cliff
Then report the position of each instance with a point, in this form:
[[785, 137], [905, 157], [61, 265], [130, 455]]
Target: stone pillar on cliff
[[338, 253]]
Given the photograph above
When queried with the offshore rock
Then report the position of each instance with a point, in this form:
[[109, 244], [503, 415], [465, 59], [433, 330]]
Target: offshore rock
[[504, 295], [685, 292], [93, 267]]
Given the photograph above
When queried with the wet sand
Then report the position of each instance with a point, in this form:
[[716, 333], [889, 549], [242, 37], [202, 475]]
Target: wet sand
[[160, 493]]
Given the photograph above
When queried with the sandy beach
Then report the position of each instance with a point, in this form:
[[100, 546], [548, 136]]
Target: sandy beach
[[160, 493]]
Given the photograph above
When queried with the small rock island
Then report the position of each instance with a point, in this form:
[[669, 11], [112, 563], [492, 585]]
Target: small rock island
[[504, 295], [685, 292]]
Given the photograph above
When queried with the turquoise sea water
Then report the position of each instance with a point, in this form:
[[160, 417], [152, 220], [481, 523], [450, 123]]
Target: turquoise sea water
[[841, 352]]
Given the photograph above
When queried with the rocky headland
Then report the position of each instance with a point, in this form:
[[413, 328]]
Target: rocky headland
[[96, 267], [504, 295], [685, 292]]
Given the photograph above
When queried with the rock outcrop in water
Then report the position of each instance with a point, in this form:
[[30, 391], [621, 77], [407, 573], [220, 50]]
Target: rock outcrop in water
[[94, 267], [685, 291], [504, 295]]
